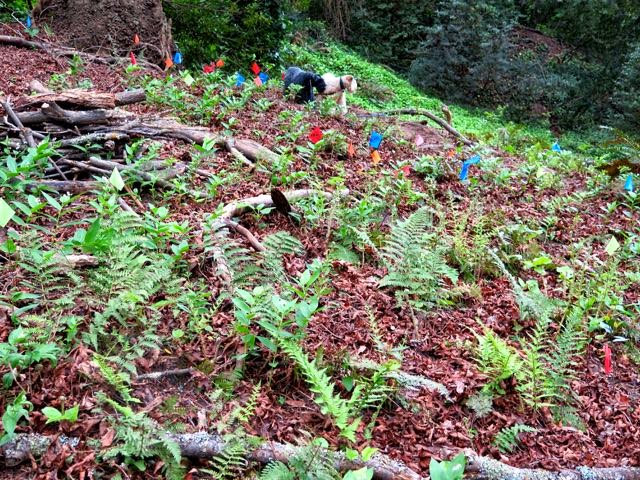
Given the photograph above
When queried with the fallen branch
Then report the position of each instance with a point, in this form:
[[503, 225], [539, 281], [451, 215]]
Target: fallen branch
[[166, 373], [69, 186], [483, 468], [76, 261], [255, 243], [424, 113], [51, 112], [84, 98], [206, 446], [240, 206]]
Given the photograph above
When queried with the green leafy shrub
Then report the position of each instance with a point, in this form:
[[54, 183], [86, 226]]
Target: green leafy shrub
[[237, 31]]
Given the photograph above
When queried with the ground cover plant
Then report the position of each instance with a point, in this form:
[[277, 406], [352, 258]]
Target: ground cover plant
[[390, 308]]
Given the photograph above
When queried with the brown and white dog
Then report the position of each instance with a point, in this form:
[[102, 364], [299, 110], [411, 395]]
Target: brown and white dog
[[338, 87]]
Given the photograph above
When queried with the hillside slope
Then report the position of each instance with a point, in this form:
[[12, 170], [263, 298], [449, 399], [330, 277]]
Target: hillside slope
[[493, 306]]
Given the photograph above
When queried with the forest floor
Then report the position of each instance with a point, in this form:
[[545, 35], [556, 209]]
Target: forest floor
[[539, 210]]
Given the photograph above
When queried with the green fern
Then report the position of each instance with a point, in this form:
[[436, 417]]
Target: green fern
[[533, 304], [323, 388], [228, 463], [118, 380], [508, 438], [277, 471], [496, 359], [313, 461], [416, 262], [481, 403], [139, 439]]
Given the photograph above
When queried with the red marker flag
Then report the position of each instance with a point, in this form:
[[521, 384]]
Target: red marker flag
[[133, 58], [316, 135], [351, 152], [283, 76], [406, 170], [208, 68], [607, 359], [255, 68]]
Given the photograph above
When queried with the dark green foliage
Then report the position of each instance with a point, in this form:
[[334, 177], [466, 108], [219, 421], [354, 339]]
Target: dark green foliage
[[237, 31], [12, 9], [466, 53], [390, 31], [626, 97]]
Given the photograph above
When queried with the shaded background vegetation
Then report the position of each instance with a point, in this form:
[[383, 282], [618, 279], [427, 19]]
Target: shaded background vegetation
[[574, 63]]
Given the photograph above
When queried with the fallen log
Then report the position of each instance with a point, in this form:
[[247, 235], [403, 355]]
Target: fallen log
[[84, 98], [254, 151], [53, 113]]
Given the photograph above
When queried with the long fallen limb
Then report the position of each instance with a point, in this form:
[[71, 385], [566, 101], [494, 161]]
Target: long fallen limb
[[424, 113], [483, 468], [205, 446]]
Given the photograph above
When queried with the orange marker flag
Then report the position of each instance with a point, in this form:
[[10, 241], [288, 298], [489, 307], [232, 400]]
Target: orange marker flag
[[351, 152], [168, 63], [136, 39], [220, 63], [375, 156], [451, 153]]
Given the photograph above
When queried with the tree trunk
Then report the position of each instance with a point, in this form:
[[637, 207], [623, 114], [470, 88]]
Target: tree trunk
[[108, 27]]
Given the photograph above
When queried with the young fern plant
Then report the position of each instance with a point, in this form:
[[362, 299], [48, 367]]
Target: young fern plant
[[508, 439], [416, 262], [323, 387]]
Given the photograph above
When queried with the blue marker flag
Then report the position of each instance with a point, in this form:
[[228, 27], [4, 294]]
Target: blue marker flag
[[375, 140], [628, 185], [555, 147], [239, 79], [177, 58], [464, 173], [264, 77], [28, 22]]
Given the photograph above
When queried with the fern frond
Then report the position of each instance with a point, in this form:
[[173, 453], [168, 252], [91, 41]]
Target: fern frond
[[508, 438], [277, 471]]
